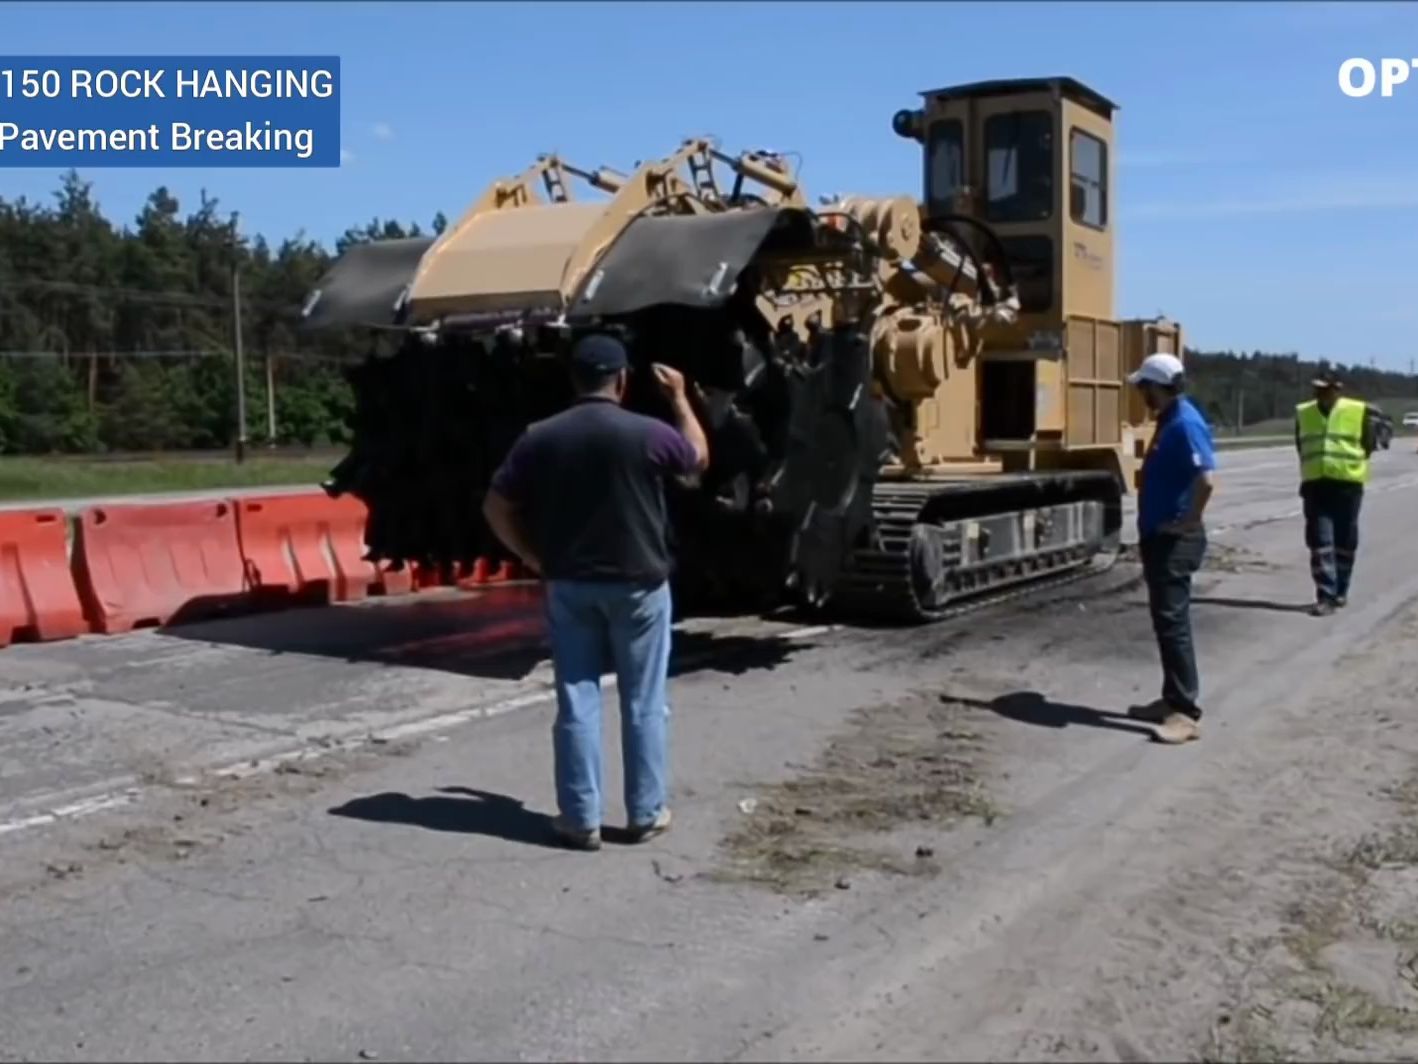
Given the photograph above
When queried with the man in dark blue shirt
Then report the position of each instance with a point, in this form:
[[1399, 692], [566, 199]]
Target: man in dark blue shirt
[[580, 498], [1176, 486]]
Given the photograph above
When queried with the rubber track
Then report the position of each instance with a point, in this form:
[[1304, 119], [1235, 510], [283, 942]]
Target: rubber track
[[879, 586]]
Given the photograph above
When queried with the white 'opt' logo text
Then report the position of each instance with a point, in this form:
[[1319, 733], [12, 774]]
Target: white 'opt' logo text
[[1357, 77]]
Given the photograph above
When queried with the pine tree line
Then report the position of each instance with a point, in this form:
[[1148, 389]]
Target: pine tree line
[[1258, 387], [121, 337], [128, 333]]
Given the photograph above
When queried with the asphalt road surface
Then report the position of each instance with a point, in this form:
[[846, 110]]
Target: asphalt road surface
[[321, 835]]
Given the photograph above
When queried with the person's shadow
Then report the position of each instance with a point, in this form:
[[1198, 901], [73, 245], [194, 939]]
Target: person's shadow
[[1254, 604], [1030, 707], [472, 812], [465, 811]]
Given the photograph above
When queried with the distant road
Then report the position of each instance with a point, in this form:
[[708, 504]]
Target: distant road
[[73, 506], [253, 451], [1233, 443], [1259, 446]]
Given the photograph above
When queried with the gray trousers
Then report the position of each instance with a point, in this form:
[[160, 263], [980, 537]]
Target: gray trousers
[[1169, 562]]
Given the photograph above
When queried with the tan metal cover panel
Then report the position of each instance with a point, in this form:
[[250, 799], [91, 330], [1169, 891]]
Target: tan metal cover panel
[[503, 260]]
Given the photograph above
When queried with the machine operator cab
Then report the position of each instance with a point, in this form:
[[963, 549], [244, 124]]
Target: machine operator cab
[[991, 152], [1033, 159]]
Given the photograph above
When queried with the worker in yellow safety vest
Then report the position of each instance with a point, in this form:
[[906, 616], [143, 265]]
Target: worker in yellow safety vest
[[1335, 437]]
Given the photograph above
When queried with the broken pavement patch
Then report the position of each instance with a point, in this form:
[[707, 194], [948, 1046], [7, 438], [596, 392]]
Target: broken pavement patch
[[908, 763]]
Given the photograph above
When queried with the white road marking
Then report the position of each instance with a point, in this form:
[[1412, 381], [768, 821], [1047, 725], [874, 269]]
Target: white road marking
[[72, 811], [248, 768], [1264, 465]]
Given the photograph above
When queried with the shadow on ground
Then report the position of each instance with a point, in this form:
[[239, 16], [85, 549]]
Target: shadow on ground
[[497, 634], [466, 811], [1254, 604], [1030, 707], [455, 809]]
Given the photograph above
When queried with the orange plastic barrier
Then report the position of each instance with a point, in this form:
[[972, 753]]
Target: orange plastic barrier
[[310, 547], [397, 583], [481, 573], [425, 577], [141, 565], [506, 572], [38, 600], [485, 571]]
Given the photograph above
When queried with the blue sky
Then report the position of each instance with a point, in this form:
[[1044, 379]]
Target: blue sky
[[1256, 203]]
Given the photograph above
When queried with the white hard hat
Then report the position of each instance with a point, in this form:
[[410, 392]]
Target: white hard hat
[[1158, 369]]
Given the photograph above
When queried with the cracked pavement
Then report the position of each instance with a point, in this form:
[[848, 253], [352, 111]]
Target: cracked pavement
[[400, 900]]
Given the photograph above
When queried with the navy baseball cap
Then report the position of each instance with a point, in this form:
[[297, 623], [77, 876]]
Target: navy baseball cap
[[600, 352]]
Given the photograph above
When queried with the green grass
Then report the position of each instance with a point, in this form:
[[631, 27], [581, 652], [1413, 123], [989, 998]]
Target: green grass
[[73, 477], [39, 479]]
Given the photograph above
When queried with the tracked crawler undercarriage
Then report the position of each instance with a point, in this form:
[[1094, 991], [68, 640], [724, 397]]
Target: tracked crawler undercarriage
[[895, 431]]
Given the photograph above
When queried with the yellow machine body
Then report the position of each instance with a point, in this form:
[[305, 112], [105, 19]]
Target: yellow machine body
[[1033, 159], [978, 320]]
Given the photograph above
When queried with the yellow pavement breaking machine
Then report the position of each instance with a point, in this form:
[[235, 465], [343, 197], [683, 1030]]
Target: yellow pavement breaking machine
[[910, 405]]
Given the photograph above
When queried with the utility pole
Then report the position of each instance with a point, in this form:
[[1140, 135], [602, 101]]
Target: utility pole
[[236, 329], [1240, 408], [270, 400]]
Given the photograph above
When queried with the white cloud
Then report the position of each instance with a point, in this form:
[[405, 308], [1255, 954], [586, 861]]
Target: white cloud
[[346, 156], [382, 131]]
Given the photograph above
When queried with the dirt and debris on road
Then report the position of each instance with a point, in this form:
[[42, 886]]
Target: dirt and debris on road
[[180, 817], [1249, 897], [914, 761], [1338, 979], [1340, 982], [1231, 558]]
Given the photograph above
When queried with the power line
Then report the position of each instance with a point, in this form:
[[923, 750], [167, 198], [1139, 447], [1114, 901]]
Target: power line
[[290, 356], [140, 295], [110, 354]]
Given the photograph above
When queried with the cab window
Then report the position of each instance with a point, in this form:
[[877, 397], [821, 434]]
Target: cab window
[[1019, 161], [1088, 179], [945, 163], [1031, 260]]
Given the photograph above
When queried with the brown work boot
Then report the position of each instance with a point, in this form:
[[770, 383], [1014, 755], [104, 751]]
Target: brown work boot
[[1155, 712], [1178, 728]]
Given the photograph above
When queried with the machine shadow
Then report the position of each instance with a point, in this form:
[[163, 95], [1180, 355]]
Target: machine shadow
[[1030, 707], [497, 634]]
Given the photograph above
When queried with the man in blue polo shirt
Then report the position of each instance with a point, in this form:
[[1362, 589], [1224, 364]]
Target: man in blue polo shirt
[[580, 499], [1176, 486]]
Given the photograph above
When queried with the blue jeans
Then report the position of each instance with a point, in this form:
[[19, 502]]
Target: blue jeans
[[628, 627]]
